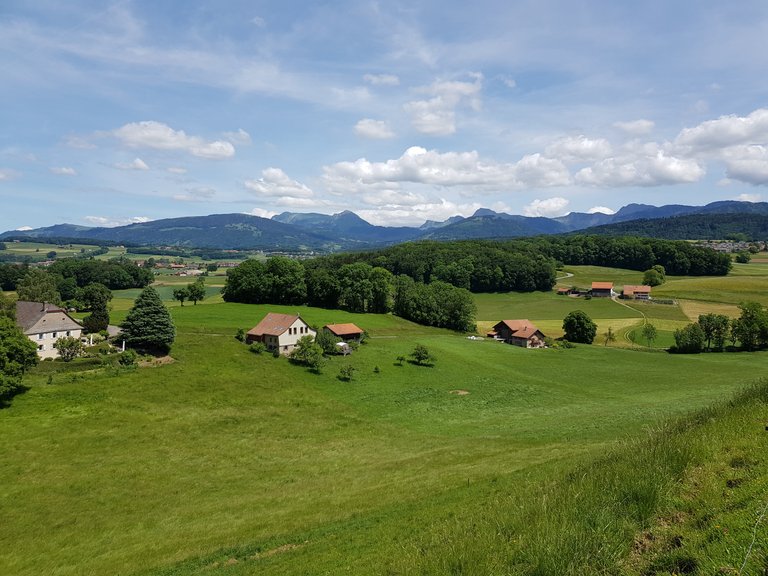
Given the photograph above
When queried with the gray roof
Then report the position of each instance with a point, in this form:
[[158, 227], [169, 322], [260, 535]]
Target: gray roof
[[29, 315]]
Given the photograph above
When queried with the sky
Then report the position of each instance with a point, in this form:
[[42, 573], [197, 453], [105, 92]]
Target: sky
[[401, 111]]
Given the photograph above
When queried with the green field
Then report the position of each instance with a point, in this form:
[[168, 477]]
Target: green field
[[226, 462], [179, 466]]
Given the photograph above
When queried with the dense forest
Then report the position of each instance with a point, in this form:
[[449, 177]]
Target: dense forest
[[71, 273], [753, 227]]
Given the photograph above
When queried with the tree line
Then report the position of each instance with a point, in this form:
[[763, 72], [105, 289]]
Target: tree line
[[430, 282], [72, 273], [712, 331], [356, 287]]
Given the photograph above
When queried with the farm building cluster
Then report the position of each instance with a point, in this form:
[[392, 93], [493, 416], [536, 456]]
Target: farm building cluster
[[281, 332], [607, 290]]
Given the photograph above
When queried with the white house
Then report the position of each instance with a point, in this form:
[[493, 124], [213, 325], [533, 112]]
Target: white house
[[279, 331], [44, 324]]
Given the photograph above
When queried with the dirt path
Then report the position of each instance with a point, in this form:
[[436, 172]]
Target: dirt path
[[618, 301]]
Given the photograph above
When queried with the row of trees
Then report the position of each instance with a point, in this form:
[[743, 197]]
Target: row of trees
[[356, 287], [69, 274], [713, 331], [677, 257]]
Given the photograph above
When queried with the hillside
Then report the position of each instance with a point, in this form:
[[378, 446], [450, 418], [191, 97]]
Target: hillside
[[701, 226], [227, 231], [347, 226]]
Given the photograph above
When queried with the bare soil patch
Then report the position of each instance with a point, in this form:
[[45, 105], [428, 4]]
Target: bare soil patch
[[155, 362], [459, 392]]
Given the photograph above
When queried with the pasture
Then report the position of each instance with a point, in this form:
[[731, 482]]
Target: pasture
[[227, 455]]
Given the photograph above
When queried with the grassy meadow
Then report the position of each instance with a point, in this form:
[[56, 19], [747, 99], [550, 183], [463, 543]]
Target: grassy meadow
[[228, 462]]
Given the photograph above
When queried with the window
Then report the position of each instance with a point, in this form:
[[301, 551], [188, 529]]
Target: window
[[55, 334], [40, 336], [68, 334], [41, 347]]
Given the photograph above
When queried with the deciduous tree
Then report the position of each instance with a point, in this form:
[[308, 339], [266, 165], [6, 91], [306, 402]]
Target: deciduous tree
[[307, 353], [579, 327], [17, 354], [196, 291], [649, 333], [38, 286], [689, 340], [181, 294]]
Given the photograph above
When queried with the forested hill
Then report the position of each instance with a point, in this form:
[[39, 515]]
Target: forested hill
[[691, 227]]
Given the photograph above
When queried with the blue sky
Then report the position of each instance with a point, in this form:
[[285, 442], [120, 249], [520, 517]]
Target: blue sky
[[137, 110]]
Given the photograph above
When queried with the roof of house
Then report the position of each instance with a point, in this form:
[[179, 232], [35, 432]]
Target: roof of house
[[520, 328], [344, 329], [637, 289], [562, 290], [602, 285], [274, 324], [29, 314]]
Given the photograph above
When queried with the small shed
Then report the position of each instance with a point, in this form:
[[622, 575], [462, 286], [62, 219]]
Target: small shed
[[347, 332]]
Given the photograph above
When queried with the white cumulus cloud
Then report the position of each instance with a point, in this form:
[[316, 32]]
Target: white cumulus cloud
[[159, 136], [415, 215], [373, 129], [642, 168], [106, 222], [749, 197], [601, 210], [430, 167], [579, 149], [726, 131], [436, 116], [548, 208], [276, 183], [261, 213]]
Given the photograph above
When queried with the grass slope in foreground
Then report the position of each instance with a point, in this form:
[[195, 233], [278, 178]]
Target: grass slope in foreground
[[228, 454]]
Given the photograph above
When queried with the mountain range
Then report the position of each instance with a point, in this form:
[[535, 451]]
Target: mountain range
[[291, 231]]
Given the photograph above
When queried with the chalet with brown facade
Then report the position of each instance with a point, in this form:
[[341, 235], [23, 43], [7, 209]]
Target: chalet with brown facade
[[347, 332], [518, 333], [602, 290], [637, 292], [279, 332], [44, 324]]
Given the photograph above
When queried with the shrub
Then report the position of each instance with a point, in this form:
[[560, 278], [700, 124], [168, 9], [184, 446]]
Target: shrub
[[240, 335], [128, 358], [422, 356], [69, 348], [346, 373]]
